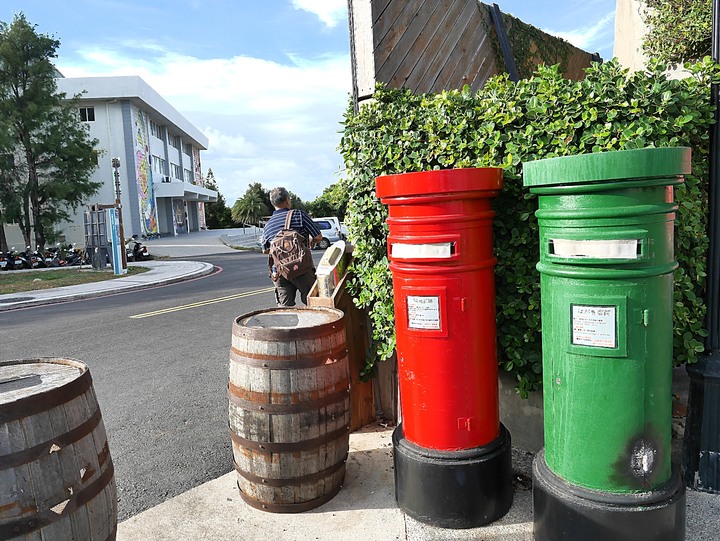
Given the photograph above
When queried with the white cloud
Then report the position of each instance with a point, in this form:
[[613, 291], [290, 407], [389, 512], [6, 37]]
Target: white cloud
[[331, 12], [592, 37], [265, 121]]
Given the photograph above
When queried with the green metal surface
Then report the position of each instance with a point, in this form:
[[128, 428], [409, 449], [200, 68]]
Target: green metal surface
[[644, 163], [606, 264]]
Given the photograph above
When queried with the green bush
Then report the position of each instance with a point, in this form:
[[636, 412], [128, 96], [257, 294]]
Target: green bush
[[505, 124]]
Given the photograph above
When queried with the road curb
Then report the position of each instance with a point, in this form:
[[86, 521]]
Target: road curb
[[114, 287]]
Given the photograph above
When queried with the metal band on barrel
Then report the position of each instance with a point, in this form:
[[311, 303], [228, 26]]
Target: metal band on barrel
[[290, 507], [257, 360], [289, 447], [275, 482], [300, 407], [40, 520], [38, 403], [43, 449]]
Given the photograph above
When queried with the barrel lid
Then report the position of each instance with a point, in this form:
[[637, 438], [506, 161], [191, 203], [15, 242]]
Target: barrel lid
[[442, 181], [21, 379], [614, 165], [290, 318]]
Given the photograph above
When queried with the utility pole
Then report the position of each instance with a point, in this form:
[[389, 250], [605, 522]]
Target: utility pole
[[118, 205], [701, 446]]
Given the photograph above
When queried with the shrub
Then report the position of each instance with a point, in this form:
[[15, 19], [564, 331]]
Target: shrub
[[505, 124]]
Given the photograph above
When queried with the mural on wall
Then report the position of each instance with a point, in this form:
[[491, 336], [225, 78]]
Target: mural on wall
[[179, 216], [200, 181], [146, 192]]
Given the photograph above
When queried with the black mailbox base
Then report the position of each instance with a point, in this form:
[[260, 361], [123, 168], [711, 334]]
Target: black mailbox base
[[566, 512], [454, 489]]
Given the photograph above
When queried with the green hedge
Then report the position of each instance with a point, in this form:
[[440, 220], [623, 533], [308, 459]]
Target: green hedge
[[505, 124]]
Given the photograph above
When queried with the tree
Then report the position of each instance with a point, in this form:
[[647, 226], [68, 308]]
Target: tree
[[679, 30], [252, 206], [297, 203], [217, 214], [52, 154], [332, 202]]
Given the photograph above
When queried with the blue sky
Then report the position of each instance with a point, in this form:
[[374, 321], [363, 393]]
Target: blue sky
[[266, 81]]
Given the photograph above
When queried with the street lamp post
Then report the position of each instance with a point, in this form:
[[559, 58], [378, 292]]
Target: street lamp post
[[118, 205], [701, 446]]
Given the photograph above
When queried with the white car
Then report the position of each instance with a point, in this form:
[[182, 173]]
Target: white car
[[329, 226]]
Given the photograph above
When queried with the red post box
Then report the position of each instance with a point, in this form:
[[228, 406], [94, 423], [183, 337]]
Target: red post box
[[452, 455]]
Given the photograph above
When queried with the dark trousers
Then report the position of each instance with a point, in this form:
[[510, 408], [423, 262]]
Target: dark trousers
[[285, 290]]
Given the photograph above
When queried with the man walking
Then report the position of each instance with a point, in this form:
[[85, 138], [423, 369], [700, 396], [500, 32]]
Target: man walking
[[286, 289]]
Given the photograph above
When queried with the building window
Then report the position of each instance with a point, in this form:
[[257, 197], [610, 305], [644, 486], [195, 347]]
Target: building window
[[188, 149], [87, 114], [176, 171], [159, 166], [157, 130], [189, 177]]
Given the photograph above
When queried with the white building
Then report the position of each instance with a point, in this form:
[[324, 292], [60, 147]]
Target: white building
[[159, 152]]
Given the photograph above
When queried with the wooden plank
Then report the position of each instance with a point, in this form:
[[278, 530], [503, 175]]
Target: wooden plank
[[47, 484], [466, 71], [87, 461], [488, 66], [362, 405], [577, 63], [388, 29], [378, 9], [67, 471], [396, 45], [439, 48], [487, 70], [470, 31]]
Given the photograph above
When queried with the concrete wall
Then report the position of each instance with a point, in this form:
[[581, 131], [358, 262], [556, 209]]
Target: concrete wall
[[522, 417], [630, 28]]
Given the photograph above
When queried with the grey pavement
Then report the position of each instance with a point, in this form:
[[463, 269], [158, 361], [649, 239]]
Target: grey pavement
[[364, 509]]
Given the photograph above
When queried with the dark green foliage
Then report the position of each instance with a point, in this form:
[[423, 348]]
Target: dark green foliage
[[217, 214], [252, 206], [332, 202], [48, 155], [505, 124], [679, 30]]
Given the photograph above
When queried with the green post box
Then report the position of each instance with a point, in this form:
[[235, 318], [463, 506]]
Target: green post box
[[606, 282]]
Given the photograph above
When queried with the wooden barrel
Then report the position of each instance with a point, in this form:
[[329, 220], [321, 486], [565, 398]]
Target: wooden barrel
[[289, 406], [56, 475]]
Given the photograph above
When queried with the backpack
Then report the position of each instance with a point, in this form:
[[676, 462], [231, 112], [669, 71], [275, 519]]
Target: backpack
[[290, 253]]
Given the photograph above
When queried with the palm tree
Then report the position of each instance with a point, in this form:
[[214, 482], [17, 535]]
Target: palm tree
[[249, 209]]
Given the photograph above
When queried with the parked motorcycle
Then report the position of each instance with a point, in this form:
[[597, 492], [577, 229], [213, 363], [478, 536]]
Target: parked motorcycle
[[135, 250], [53, 257], [75, 256], [6, 261], [35, 258], [18, 259]]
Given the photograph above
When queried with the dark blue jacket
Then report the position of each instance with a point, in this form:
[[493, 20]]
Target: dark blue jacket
[[301, 222]]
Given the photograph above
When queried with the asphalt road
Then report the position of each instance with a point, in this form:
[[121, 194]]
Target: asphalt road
[[159, 369]]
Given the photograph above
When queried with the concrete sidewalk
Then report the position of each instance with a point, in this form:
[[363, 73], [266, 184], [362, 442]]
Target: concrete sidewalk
[[363, 510]]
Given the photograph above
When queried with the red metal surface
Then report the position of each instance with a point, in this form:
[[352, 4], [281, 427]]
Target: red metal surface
[[444, 305]]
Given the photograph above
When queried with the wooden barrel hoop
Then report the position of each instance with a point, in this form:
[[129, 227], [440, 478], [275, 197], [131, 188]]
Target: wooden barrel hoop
[[289, 407], [56, 474]]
